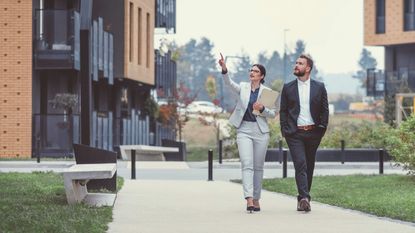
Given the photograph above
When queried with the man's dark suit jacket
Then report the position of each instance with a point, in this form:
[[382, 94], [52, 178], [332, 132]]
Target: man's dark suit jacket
[[290, 106]]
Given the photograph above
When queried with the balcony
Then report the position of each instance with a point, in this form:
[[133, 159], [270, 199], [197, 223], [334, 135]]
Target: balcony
[[57, 39], [166, 15], [55, 133]]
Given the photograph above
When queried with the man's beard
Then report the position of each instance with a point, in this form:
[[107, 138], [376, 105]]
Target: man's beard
[[298, 73]]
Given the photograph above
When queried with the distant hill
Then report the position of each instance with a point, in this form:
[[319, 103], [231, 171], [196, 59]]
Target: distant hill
[[342, 83]]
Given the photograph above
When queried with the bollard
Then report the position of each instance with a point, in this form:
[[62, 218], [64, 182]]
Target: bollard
[[133, 164], [210, 168], [284, 164], [38, 149], [220, 151], [381, 152], [280, 150], [343, 143]]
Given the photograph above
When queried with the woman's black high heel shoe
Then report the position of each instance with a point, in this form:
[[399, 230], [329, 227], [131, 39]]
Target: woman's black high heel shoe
[[257, 209], [250, 209]]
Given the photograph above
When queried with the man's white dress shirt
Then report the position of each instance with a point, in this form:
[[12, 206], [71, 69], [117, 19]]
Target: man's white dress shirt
[[304, 93]]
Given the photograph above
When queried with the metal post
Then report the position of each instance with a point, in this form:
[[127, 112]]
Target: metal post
[[133, 164], [210, 168], [220, 151], [343, 154], [285, 55], [284, 164], [280, 150], [38, 149], [381, 152]]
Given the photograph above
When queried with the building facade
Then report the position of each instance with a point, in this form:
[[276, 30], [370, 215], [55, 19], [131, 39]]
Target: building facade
[[76, 71], [391, 24]]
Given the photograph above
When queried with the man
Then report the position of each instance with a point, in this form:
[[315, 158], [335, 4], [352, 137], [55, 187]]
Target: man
[[304, 116]]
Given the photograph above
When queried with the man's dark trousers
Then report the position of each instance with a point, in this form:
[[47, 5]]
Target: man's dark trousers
[[303, 146]]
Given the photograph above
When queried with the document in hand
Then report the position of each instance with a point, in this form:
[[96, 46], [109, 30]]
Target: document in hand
[[268, 98]]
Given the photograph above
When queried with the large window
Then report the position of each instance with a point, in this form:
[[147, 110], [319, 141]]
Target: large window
[[380, 16], [148, 41], [139, 35], [409, 15], [131, 31]]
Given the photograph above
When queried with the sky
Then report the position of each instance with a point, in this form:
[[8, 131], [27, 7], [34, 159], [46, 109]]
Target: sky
[[331, 29]]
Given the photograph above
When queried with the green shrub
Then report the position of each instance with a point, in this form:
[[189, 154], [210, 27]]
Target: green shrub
[[401, 145], [230, 149], [357, 135]]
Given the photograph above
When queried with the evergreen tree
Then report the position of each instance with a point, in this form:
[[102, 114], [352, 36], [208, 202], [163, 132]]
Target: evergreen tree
[[366, 61], [195, 64]]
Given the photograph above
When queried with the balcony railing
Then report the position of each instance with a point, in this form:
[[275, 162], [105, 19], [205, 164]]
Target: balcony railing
[[55, 133], [166, 15], [390, 82], [102, 130], [133, 130], [164, 132], [166, 75], [375, 83], [57, 39], [409, 22], [398, 81]]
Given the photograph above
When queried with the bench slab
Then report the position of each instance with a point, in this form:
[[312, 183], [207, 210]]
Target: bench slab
[[77, 176], [146, 152]]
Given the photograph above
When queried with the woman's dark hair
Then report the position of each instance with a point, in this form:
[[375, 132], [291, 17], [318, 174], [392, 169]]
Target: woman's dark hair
[[262, 69]]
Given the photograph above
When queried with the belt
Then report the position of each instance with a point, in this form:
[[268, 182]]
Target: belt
[[306, 127]]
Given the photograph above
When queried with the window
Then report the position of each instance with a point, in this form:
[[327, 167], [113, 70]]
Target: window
[[380, 16], [148, 40], [131, 31], [409, 15], [139, 36]]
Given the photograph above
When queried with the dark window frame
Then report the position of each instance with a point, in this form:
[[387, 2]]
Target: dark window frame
[[380, 19], [409, 15]]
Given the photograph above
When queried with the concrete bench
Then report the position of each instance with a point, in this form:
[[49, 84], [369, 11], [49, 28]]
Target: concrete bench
[[135, 150], [77, 176]]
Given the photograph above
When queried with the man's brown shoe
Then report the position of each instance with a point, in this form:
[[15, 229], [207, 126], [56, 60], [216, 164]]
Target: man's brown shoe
[[299, 206], [304, 205]]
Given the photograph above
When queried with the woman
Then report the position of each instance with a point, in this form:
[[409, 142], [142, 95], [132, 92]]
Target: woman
[[252, 131]]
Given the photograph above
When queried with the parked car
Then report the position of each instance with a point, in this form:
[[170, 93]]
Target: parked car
[[203, 107]]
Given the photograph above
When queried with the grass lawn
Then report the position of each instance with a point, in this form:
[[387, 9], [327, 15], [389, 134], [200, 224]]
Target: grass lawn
[[390, 196], [36, 202], [200, 153]]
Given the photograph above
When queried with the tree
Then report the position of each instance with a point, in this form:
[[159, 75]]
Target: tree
[[366, 61], [196, 62], [292, 57], [273, 64], [210, 86], [184, 97]]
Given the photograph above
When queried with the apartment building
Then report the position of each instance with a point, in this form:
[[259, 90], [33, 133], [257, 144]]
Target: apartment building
[[77, 71]]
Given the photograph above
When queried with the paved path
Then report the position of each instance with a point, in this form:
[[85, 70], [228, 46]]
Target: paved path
[[175, 197], [200, 206]]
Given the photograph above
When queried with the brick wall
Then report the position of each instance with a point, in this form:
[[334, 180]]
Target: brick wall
[[394, 24], [15, 78]]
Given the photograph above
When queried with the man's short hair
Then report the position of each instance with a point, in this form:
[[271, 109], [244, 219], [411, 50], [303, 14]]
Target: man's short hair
[[310, 61]]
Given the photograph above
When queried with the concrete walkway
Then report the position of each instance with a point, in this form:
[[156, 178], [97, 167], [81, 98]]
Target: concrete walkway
[[181, 206], [175, 197]]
